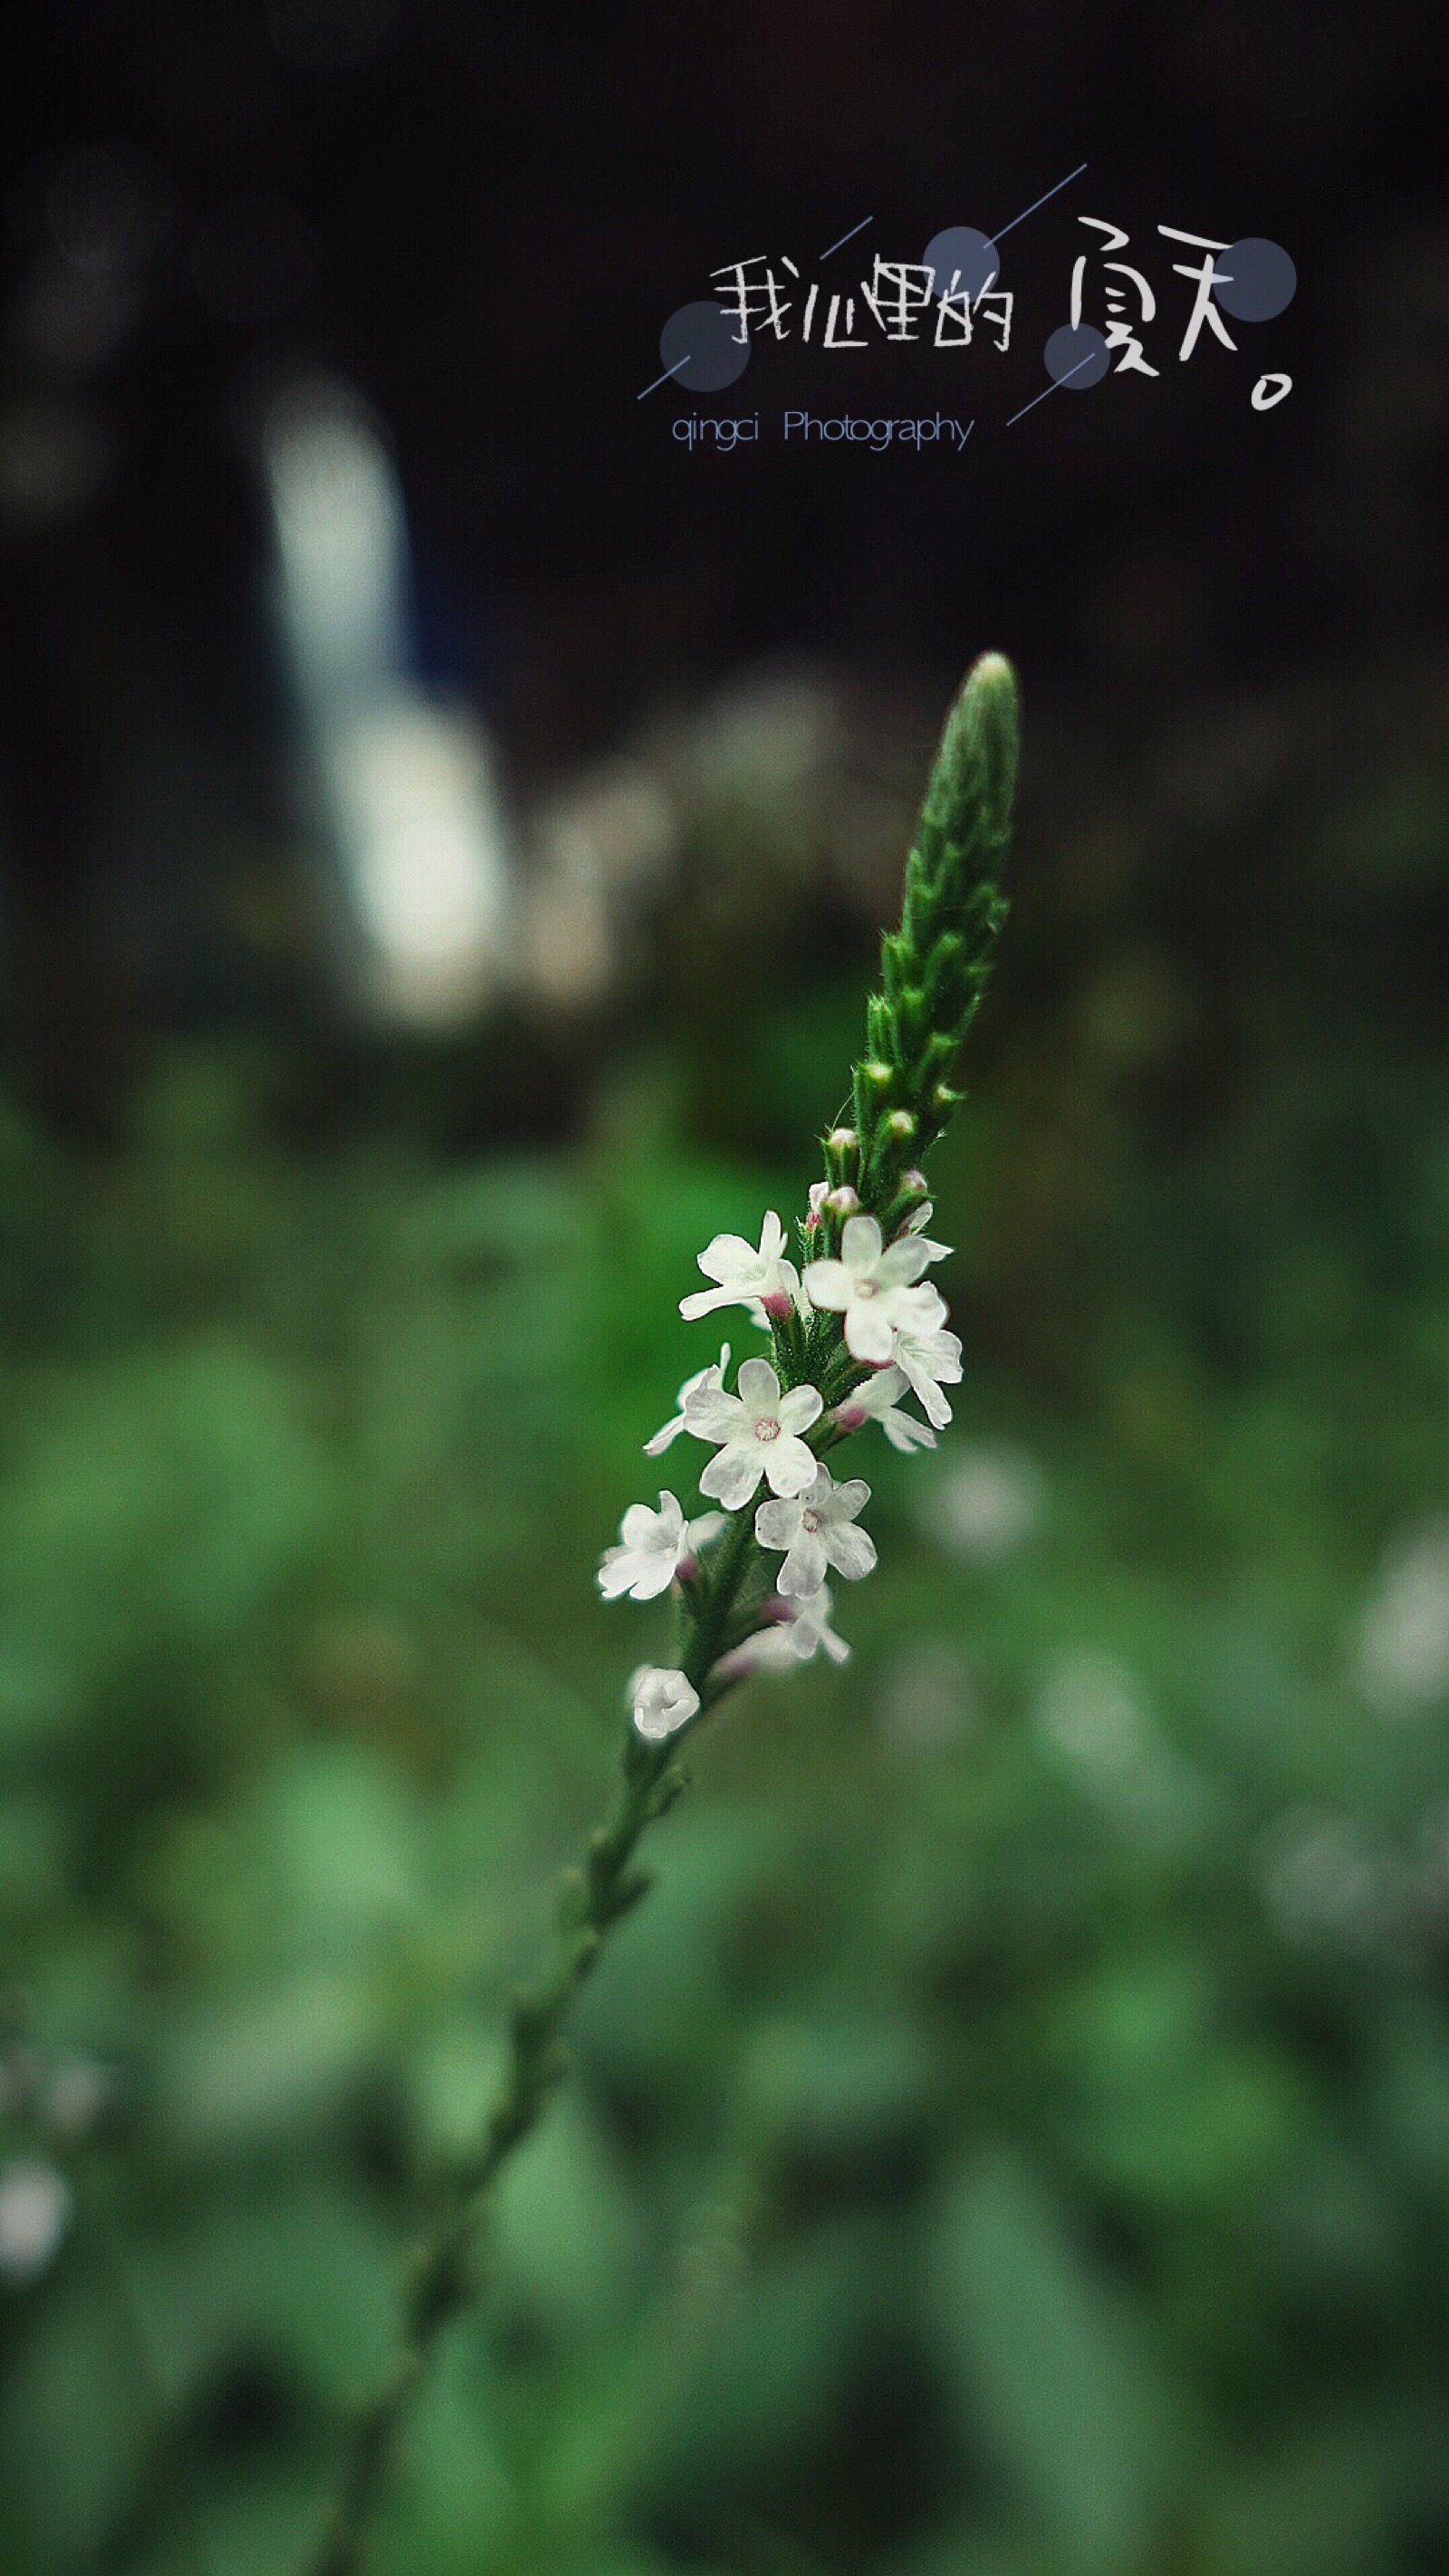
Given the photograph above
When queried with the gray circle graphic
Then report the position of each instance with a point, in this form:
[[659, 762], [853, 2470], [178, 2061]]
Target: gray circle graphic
[[701, 348], [962, 261], [1255, 280], [1076, 357]]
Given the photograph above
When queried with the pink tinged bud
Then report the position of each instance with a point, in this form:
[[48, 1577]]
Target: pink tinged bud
[[915, 1182], [687, 1568], [850, 1417], [733, 1667], [844, 1201], [843, 1140], [812, 1222], [901, 1123], [779, 1302]]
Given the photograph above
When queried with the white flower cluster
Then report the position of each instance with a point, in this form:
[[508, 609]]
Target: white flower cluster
[[893, 1324]]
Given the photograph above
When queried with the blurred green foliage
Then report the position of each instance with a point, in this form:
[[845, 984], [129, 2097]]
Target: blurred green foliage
[[1013, 2140]]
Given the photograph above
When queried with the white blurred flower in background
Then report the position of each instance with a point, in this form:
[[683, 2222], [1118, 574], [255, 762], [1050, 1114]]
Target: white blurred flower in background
[[988, 1504], [1401, 1657], [35, 2204]]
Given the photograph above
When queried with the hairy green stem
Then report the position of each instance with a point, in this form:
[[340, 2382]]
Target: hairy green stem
[[442, 2277]]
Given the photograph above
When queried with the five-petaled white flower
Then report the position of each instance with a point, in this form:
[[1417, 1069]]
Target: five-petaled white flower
[[654, 1546], [756, 1433], [746, 1277], [711, 1376], [874, 1286], [927, 1359], [878, 1400], [817, 1530], [664, 1699]]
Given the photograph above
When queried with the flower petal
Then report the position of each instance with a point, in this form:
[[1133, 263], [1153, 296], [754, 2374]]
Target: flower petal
[[725, 1255], [733, 1473], [653, 1575], [799, 1407], [698, 1534], [827, 1284], [759, 1387], [803, 1571], [713, 1415], [703, 1301], [867, 1332], [860, 1243], [903, 1263], [789, 1465], [850, 1550], [777, 1524], [905, 1433]]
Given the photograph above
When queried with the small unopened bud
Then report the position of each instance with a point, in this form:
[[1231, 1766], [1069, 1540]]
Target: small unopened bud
[[842, 1140], [901, 1123], [915, 1182], [844, 1201], [877, 1073], [945, 1098], [687, 1569], [849, 1417], [778, 1304]]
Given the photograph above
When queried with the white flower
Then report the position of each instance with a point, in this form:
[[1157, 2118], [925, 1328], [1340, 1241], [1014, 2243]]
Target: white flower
[[34, 2210], [770, 1650], [917, 1223], [926, 1360], [874, 1287], [757, 1433], [788, 1641], [746, 1277], [810, 1629], [711, 1376], [664, 1699], [817, 1529], [877, 1401], [655, 1545]]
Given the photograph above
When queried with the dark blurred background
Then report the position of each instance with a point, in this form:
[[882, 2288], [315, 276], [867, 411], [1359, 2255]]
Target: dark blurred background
[[445, 825]]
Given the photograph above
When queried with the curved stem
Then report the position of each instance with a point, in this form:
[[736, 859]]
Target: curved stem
[[441, 2280]]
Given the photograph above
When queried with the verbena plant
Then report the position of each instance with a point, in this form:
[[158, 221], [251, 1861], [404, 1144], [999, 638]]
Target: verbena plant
[[857, 1332]]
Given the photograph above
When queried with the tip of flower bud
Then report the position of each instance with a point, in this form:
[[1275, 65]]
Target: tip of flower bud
[[991, 670], [901, 1123], [844, 1201], [778, 1304], [979, 745], [850, 1417], [842, 1140], [877, 1073]]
